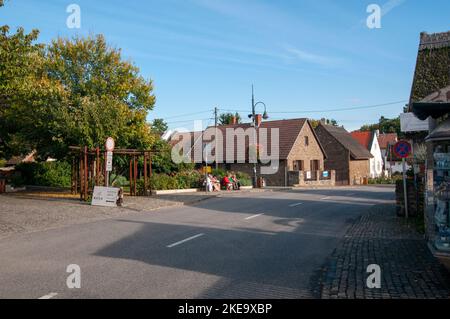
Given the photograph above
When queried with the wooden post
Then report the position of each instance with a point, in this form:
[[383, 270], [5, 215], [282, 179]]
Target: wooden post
[[145, 174], [97, 166], [150, 171], [131, 177], [135, 174], [85, 173]]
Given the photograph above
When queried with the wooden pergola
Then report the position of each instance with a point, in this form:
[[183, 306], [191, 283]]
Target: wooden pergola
[[89, 169]]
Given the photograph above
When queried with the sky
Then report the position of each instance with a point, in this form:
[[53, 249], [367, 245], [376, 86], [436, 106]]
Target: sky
[[305, 58]]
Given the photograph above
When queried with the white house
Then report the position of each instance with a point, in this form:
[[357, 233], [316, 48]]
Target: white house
[[370, 141]]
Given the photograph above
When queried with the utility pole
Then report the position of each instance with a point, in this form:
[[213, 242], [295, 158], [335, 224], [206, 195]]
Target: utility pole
[[215, 137], [255, 182]]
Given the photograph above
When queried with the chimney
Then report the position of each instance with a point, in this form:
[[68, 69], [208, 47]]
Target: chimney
[[258, 119], [234, 120]]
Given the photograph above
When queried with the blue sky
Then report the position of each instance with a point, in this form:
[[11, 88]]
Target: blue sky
[[301, 56]]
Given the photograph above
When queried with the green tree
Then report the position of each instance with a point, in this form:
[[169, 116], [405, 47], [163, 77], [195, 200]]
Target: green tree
[[385, 125], [73, 92], [159, 126], [227, 118], [315, 123]]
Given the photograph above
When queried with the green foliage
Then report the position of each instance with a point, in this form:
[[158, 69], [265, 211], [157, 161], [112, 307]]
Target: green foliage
[[431, 72], [182, 180], [315, 123], [244, 179], [72, 92], [219, 173], [227, 118], [385, 180], [55, 174], [159, 126], [384, 125], [118, 180], [162, 159]]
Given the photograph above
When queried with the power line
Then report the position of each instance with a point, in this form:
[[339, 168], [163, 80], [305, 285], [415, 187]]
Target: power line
[[187, 114], [321, 111], [191, 120]]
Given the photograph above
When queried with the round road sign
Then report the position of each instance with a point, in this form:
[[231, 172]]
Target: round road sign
[[109, 144], [402, 149]]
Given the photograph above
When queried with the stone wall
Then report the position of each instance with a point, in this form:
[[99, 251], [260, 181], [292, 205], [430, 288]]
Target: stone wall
[[276, 179], [359, 169]]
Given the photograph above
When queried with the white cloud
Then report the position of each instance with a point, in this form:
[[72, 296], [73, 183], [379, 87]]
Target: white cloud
[[390, 5], [312, 58]]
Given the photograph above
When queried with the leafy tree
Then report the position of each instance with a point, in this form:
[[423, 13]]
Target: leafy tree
[[227, 118], [159, 126], [315, 123], [73, 92], [385, 125]]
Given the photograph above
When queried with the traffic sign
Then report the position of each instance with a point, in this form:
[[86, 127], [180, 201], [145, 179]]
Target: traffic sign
[[110, 144], [402, 149], [109, 160]]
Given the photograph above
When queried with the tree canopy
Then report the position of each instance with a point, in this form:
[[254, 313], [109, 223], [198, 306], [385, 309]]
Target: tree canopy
[[227, 118], [315, 123], [71, 92], [385, 125]]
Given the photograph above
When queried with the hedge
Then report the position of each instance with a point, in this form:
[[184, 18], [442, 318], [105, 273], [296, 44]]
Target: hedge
[[55, 174]]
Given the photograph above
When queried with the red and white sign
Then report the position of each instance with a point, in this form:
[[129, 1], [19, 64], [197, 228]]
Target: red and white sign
[[402, 149], [110, 144]]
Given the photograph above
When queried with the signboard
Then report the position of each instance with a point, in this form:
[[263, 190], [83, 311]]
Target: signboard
[[206, 169], [109, 160], [308, 174], [325, 173], [105, 196], [410, 123], [110, 144], [402, 149]]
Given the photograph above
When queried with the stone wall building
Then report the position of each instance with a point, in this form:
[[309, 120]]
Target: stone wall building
[[345, 155]]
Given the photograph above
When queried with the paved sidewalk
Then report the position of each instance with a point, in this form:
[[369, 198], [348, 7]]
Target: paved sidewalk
[[408, 269]]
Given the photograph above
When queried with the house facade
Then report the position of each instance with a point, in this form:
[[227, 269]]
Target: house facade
[[300, 160], [369, 140], [348, 158]]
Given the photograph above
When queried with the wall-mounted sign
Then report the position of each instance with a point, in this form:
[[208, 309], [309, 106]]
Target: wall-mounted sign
[[308, 174], [105, 196], [325, 173], [410, 123]]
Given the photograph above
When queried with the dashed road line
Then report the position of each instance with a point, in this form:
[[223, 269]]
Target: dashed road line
[[254, 216], [49, 296], [328, 197], [294, 205], [184, 240]]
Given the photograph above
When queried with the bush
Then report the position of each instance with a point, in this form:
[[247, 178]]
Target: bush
[[244, 179], [55, 174], [182, 180]]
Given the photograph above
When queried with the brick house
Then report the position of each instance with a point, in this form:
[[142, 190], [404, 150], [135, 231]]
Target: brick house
[[345, 155], [300, 159], [301, 156]]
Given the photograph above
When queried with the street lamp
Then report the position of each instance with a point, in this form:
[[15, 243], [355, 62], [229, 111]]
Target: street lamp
[[256, 125]]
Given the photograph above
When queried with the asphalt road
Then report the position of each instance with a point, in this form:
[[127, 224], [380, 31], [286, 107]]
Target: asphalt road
[[252, 245]]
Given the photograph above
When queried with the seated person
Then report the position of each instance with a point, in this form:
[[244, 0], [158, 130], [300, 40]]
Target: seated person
[[236, 183], [227, 183]]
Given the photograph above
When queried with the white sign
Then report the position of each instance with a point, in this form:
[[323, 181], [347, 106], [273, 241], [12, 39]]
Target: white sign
[[110, 144], [410, 123], [308, 175], [105, 196], [109, 160]]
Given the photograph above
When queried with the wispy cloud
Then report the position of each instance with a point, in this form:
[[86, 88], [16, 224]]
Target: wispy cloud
[[390, 5], [311, 58]]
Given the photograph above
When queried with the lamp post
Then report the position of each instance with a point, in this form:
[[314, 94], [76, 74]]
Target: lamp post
[[256, 124]]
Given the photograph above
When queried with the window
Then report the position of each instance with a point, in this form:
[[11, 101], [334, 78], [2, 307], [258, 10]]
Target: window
[[315, 165], [297, 165], [306, 140]]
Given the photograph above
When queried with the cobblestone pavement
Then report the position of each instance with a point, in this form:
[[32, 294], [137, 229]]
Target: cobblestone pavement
[[408, 269]]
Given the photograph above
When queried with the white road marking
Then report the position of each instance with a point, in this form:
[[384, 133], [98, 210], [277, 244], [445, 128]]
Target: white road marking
[[184, 240], [254, 216], [49, 296], [294, 205], [328, 197]]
